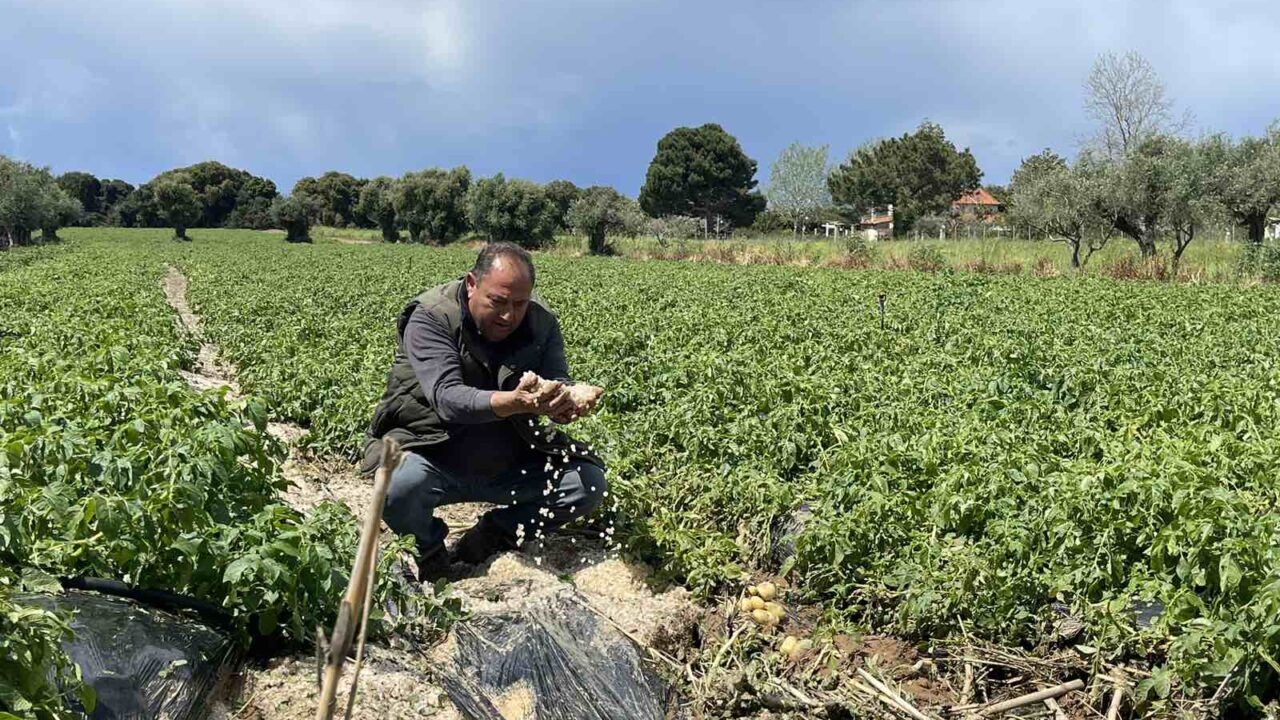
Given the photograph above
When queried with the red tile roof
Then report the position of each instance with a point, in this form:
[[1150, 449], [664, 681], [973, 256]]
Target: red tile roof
[[977, 197]]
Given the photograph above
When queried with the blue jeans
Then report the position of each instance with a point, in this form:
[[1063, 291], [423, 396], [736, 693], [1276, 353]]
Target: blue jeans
[[533, 501]]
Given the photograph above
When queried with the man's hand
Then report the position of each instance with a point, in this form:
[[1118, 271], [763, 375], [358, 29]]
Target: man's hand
[[534, 395], [526, 398], [583, 399]]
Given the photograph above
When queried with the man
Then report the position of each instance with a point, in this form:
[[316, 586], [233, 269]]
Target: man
[[478, 362]]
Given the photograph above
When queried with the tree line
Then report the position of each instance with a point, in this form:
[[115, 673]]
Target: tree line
[[700, 181], [1139, 177], [699, 177]]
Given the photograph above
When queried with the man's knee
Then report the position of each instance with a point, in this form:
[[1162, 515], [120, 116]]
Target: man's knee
[[408, 491], [594, 486]]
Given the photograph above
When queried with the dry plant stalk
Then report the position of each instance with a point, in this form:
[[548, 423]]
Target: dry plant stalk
[[1032, 698], [359, 586]]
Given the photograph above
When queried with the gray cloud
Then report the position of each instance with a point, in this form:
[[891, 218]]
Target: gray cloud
[[584, 89]]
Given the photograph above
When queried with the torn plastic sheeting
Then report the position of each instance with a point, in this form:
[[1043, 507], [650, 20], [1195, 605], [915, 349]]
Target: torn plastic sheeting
[[556, 662], [141, 662]]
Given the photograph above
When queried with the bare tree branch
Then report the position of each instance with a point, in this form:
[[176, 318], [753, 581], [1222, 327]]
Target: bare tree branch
[[1126, 98]]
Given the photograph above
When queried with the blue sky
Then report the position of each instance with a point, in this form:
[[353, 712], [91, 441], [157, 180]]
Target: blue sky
[[584, 90]]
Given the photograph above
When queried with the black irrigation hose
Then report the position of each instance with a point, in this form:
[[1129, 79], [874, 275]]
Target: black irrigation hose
[[156, 598]]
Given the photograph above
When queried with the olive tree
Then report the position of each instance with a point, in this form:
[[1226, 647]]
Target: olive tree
[[60, 211], [177, 202], [432, 204], [674, 227], [516, 211], [377, 206], [293, 215], [1247, 180], [598, 211], [1191, 200], [1062, 202], [30, 200], [562, 193]]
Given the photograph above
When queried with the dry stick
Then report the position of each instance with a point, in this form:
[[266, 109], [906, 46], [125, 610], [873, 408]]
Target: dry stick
[[804, 699], [715, 662], [1117, 697], [897, 699], [966, 692], [886, 699], [364, 627], [343, 629], [1031, 698]]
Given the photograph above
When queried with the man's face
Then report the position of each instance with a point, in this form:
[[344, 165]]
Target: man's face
[[499, 300]]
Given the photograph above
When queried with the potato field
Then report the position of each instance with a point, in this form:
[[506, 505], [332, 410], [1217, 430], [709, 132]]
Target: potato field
[[986, 456]]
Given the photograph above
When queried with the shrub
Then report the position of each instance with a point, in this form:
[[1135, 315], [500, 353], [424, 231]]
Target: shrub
[[926, 258], [856, 250]]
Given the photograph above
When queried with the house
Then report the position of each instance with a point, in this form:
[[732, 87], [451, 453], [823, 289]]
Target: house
[[977, 204], [877, 224]]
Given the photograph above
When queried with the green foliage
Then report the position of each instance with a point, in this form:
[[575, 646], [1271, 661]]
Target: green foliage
[[86, 188], [1247, 181], [176, 202], [37, 679], [961, 480], [599, 210], [219, 191], [516, 211], [333, 197], [293, 215], [432, 204], [857, 250], [1261, 261], [377, 207], [562, 193], [112, 466], [31, 199], [61, 210], [703, 172], [1065, 203], [99, 199], [926, 257], [674, 227], [919, 173], [798, 183]]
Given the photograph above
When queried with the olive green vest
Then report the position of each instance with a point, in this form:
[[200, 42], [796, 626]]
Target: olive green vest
[[406, 413]]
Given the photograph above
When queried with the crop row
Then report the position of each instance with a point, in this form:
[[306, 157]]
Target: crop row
[[111, 466], [988, 448]]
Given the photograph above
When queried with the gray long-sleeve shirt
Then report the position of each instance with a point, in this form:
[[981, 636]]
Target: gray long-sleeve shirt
[[481, 444]]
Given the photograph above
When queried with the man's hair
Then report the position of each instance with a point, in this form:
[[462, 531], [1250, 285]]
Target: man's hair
[[490, 253]]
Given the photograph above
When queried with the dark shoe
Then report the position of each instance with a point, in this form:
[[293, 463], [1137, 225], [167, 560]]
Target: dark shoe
[[480, 543], [432, 565]]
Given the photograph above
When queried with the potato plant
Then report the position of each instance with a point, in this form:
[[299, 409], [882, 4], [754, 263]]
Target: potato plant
[[112, 466], [989, 448]]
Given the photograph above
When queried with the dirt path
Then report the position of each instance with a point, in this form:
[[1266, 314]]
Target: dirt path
[[398, 682]]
